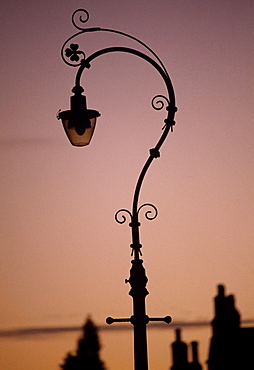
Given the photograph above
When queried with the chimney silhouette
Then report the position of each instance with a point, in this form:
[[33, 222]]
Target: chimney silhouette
[[179, 351], [194, 365], [224, 346]]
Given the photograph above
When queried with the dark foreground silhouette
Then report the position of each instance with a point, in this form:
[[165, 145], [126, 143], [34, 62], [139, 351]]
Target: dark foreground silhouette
[[180, 355], [87, 353], [231, 346]]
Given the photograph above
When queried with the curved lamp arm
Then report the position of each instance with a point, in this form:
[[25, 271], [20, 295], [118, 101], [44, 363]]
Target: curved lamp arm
[[79, 60], [94, 29]]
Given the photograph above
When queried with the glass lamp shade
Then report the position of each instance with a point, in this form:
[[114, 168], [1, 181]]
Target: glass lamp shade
[[79, 126]]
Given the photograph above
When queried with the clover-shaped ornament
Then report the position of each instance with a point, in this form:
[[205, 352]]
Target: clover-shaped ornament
[[72, 52]]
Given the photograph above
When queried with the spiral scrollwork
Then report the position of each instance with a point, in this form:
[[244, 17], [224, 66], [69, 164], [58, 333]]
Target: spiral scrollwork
[[120, 216], [151, 213], [158, 102], [82, 15], [71, 55]]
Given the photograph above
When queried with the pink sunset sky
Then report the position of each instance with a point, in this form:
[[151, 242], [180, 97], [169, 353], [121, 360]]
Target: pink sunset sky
[[63, 256]]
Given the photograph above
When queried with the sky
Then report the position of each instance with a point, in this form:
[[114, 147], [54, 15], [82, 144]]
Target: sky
[[63, 256]]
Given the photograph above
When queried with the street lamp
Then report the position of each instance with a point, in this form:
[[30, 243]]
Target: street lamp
[[79, 124]]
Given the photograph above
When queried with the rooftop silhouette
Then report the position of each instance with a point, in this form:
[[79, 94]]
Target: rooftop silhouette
[[231, 346], [180, 355]]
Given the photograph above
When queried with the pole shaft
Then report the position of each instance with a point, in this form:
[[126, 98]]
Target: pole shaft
[[138, 280]]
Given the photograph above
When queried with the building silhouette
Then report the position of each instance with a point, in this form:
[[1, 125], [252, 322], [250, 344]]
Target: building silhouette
[[180, 355], [231, 347]]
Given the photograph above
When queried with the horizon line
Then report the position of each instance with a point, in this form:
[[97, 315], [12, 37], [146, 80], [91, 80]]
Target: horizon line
[[50, 330]]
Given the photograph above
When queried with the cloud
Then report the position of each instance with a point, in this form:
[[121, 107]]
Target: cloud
[[38, 331], [54, 330]]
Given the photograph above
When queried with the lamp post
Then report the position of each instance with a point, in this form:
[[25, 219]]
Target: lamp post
[[79, 124]]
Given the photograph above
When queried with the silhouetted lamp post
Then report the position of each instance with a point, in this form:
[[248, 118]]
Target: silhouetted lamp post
[[79, 124]]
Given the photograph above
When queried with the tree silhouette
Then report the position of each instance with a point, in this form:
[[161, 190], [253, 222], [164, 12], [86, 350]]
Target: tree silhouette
[[87, 353]]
